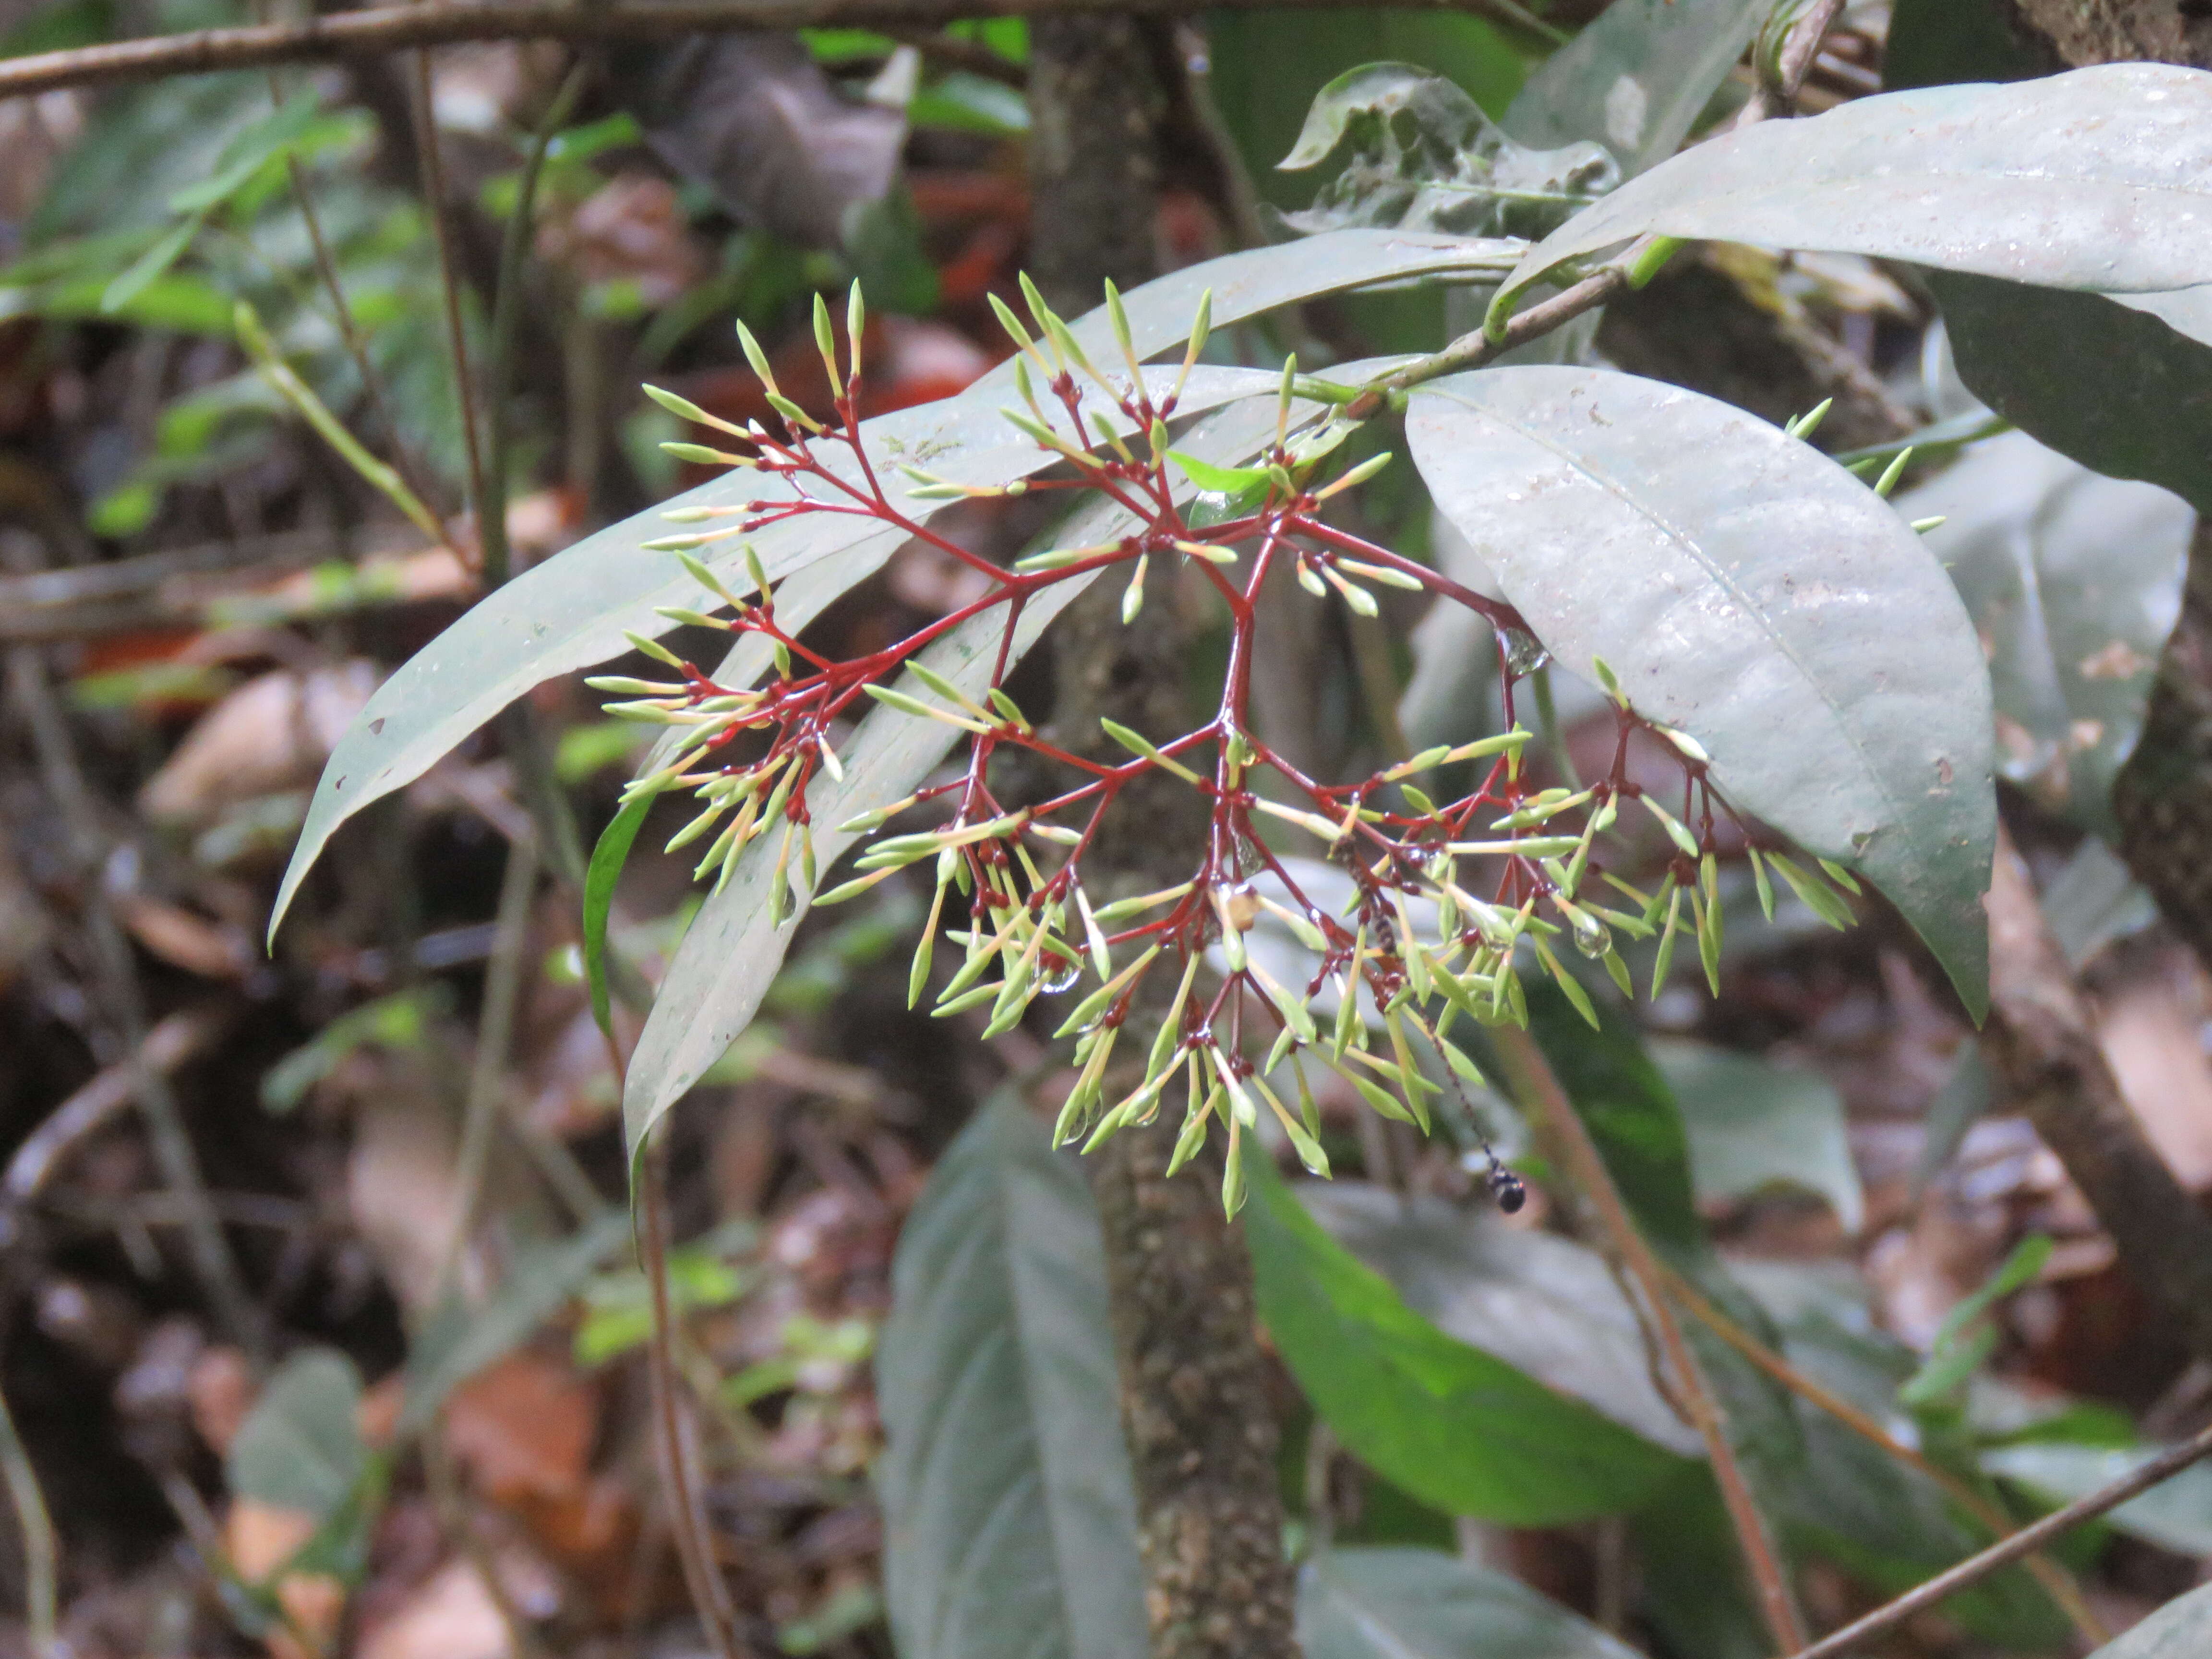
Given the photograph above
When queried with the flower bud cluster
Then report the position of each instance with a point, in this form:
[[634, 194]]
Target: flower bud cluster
[[1451, 903]]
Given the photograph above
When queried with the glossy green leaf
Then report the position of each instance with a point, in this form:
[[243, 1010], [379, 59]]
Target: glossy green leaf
[[1753, 1125], [300, 1446], [2073, 581], [573, 610], [731, 953], [1453, 1425], [1419, 154], [1373, 1603], [2182, 1629], [1637, 78], [609, 854], [1009, 1511], [1545, 1305], [2100, 178], [1751, 593]]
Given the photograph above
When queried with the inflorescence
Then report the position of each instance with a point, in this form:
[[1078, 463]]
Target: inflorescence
[[1506, 872]]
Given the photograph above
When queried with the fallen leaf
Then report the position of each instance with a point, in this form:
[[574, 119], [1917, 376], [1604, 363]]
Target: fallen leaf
[[271, 734], [523, 1427]]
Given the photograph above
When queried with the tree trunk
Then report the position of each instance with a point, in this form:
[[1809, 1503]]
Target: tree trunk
[[1194, 1405]]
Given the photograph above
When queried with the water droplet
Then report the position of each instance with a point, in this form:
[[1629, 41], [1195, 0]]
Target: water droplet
[[1591, 937], [1509, 1189], [1061, 975], [1524, 653]]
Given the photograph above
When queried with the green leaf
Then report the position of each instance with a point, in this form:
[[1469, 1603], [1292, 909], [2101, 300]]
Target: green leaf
[[2175, 1514], [2073, 581], [399, 1021], [731, 953], [572, 610], [1963, 1340], [461, 1338], [2100, 178], [248, 153], [300, 1446], [2118, 386], [1009, 1510], [1545, 1305], [1751, 593], [1222, 480], [1357, 1603], [150, 266], [1624, 1101], [1637, 78], [1753, 1125], [1267, 67], [2182, 1629], [609, 854], [1424, 156], [1449, 1423]]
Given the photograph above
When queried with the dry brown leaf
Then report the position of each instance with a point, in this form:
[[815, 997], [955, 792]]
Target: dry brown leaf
[[524, 1427], [271, 734], [213, 950]]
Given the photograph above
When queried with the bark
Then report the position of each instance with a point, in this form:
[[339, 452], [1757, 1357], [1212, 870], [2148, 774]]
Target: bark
[[1194, 1406], [2123, 31], [2163, 796], [2042, 1048]]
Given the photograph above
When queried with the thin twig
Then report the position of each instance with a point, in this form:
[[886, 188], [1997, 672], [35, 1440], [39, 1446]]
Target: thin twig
[[505, 314], [1539, 1088], [2057, 1582], [357, 345], [369, 32], [1476, 348], [694, 1544], [457, 345], [36, 1524], [2026, 1541]]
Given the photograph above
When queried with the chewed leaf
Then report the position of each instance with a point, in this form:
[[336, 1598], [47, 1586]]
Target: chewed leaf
[[1636, 78], [1424, 156], [2100, 178], [1747, 590]]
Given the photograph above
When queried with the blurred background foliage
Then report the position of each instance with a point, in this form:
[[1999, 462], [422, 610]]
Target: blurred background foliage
[[420, 1428]]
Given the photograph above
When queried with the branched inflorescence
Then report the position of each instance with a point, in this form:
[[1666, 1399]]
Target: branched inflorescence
[[1503, 873]]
